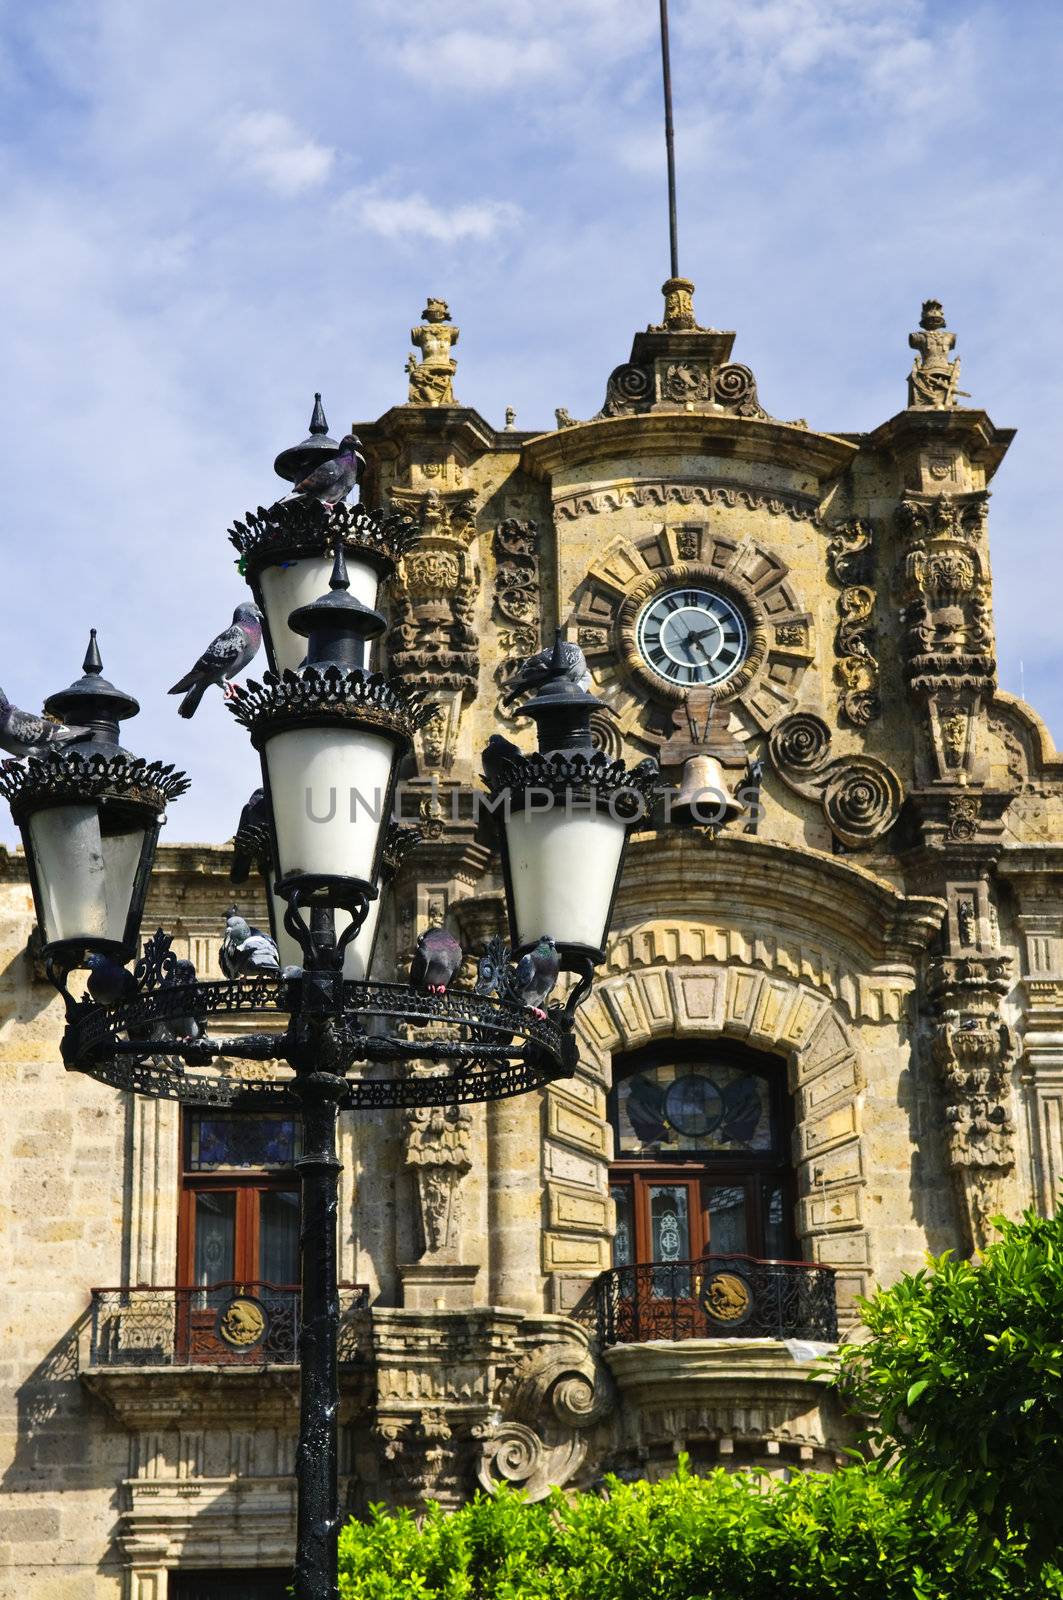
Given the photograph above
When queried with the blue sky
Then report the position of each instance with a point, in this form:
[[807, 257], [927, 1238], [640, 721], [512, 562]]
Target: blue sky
[[212, 210]]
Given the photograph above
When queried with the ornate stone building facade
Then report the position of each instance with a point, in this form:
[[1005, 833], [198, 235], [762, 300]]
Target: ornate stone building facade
[[829, 1033]]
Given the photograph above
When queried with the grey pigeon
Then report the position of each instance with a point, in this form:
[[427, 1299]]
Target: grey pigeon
[[251, 841], [497, 753], [190, 1026], [109, 982], [333, 480], [536, 975], [435, 961], [535, 670], [223, 658], [22, 733], [246, 952]]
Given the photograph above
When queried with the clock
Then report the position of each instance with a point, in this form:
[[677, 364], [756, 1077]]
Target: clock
[[692, 636]]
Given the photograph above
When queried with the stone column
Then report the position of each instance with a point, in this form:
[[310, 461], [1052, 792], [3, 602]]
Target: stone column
[[514, 1202]]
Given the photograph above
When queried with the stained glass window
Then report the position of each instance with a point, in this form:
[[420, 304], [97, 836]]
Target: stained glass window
[[220, 1142], [691, 1107]]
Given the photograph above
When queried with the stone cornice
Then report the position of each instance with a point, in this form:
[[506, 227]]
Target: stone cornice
[[459, 426], [818, 456], [972, 430], [795, 890]]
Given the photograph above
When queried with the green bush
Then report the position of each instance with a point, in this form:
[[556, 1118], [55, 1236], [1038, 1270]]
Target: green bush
[[852, 1534], [962, 1380]]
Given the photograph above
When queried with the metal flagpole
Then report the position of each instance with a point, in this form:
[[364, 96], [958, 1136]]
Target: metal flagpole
[[669, 139]]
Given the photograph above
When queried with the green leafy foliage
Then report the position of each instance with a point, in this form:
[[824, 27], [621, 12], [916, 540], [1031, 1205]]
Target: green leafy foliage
[[852, 1534], [962, 1380]]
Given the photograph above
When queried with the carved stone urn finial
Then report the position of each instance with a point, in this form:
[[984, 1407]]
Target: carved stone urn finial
[[679, 305]]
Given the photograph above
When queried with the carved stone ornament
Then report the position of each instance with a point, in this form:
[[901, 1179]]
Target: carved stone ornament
[[691, 381], [431, 380], [439, 1149], [945, 590], [516, 599], [860, 795], [751, 576], [686, 492], [434, 641], [556, 1396], [934, 378], [973, 1050], [856, 669]]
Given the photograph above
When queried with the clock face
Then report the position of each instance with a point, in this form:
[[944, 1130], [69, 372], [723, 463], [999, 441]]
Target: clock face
[[692, 636]]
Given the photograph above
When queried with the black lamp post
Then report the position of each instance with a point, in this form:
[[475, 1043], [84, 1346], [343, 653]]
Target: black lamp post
[[330, 737]]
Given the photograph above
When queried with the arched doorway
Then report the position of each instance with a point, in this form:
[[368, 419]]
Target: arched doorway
[[703, 1186]]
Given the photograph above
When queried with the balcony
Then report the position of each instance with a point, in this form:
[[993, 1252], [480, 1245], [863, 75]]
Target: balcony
[[715, 1297], [238, 1325]]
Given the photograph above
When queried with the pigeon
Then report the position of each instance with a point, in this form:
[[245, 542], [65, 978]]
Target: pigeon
[[536, 975], [536, 669], [435, 961], [223, 658], [333, 480], [251, 841], [190, 1026], [109, 982], [24, 734], [246, 951], [497, 754]]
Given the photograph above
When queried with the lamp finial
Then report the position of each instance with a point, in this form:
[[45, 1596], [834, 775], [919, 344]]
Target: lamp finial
[[93, 663], [317, 420]]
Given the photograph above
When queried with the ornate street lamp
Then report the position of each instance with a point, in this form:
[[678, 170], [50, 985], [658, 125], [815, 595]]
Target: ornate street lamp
[[89, 813], [330, 735], [564, 816]]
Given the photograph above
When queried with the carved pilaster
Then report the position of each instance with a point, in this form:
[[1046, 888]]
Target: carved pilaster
[[948, 638], [433, 598], [438, 1149], [517, 598], [851, 560], [973, 1049]]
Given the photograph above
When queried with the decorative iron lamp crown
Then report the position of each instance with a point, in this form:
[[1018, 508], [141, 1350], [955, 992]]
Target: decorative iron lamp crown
[[89, 814], [299, 460]]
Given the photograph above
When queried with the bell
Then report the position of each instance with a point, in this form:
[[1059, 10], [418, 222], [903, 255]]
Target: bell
[[703, 798]]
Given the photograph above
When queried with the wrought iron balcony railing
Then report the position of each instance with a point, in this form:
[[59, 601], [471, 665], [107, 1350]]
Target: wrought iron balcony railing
[[716, 1297], [233, 1324]]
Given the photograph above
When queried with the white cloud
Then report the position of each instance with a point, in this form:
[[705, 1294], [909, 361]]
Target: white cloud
[[270, 146], [412, 216], [486, 62]]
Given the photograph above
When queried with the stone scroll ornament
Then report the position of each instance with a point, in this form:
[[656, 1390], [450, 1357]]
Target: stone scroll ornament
[[516, 601], [555, 1398], [861, 797], [850, 556]]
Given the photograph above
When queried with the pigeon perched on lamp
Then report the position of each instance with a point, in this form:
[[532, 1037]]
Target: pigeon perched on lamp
[[333, 480], [251, 840], [537, 972], [435, 961], [246, 952], [109, 982], [223, 658], [537, 668], [25, 733]]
